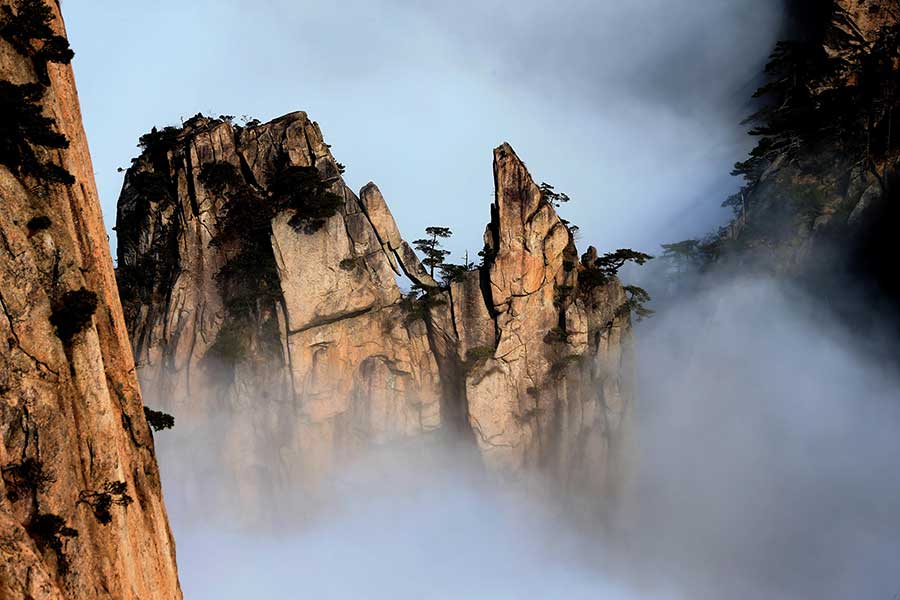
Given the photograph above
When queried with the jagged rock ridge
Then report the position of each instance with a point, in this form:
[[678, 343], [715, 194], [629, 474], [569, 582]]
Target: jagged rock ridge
[[517, 357], [81, 511]]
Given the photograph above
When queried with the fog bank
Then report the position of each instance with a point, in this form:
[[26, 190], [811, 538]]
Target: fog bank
[[768, 468]]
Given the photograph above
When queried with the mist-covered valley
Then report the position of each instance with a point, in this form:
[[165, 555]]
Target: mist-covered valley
[[650, 379], [765, 467]]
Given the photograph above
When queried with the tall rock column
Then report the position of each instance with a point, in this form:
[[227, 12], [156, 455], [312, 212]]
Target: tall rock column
[[552, 393], [81, 511]]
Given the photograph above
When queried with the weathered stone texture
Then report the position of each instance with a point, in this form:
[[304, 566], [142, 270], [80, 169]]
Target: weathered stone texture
[[73, 407], [358, 370]]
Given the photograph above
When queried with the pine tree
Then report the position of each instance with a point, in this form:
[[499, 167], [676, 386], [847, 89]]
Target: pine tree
[[431, 248]]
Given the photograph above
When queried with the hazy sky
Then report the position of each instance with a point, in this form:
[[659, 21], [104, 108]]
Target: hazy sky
[[632, 108]]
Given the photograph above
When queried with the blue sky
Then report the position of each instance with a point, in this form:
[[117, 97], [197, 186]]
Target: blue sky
[[631, 108]]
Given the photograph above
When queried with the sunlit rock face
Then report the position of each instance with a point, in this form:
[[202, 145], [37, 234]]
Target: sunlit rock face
[[72, 425], [515, 358]]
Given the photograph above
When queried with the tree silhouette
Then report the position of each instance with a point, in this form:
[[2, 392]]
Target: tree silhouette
[[635, 304], [549, 194], [158, 420], [22, 127], [73, 313], [114, 493], [431, 248], [610, 263], [28, 30]]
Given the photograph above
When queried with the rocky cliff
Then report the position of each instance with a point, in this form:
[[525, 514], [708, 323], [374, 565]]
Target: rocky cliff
[[245, 296], [819, 185], [81, 511]]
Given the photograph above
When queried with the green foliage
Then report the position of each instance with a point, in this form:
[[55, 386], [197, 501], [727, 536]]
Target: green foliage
[[590, 279], [113, 493], [557, 199], [611, 262], [476, 357], [738, 202], [28, 30], [418, 303], [487, 255], [244, 225], [246, 220], [150, 278], [219, 176], [303, 191], [683, 250], [150, 186], [551, 196], [686, 255], [23, 127], [454, 273], [48, 531], [73, 313], [38, 223], [604, 268], [159, 142], [431, 249], [248, 281], [158, 420], [26, 477], [844, 98], [635, 304]]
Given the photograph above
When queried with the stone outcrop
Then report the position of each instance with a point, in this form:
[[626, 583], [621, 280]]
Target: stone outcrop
[[516, 357], [535, 402], [819, 205], [865, 17], [73, 428]]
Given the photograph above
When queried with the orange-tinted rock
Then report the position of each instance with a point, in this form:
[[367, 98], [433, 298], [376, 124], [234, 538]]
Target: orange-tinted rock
[[354, 369], [71, 407]]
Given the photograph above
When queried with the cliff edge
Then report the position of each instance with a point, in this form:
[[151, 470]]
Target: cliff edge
[[81, 511]]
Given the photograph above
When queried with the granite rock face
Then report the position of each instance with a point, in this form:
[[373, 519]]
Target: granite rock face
[[71, 416], [538, 402], [351, 364]]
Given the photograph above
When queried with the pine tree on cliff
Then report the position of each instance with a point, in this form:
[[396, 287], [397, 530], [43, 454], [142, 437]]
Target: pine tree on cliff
[[431, 248], [840, 91]]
